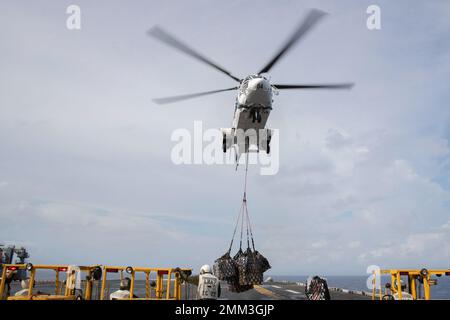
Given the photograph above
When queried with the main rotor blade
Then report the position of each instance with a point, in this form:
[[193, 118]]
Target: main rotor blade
[[314, 86], [163, 36], [311, 19], [167, 100]]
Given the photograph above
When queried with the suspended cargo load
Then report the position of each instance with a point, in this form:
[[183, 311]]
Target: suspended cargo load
[[262, 262], [246, 268], [225, 268], [250, 271]]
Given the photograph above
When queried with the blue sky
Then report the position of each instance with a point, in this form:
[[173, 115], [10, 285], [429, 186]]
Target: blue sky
[[85, 170]]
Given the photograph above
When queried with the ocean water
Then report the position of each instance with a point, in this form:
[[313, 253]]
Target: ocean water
[[439, 291]]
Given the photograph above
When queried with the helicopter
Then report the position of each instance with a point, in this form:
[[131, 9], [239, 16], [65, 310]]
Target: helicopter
[[254, 92]]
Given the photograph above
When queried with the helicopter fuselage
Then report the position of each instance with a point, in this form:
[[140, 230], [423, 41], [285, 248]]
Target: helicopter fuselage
[[253, 106], [253, 103]]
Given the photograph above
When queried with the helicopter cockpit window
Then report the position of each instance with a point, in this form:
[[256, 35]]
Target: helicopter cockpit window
[[244, 85]]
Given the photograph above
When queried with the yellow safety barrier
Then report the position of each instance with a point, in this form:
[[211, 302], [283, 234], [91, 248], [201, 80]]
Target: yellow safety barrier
[[172, 292], [69, 292], [168, 281], [416, 279]]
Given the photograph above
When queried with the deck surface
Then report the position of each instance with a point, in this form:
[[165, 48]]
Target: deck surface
[[274, 291]]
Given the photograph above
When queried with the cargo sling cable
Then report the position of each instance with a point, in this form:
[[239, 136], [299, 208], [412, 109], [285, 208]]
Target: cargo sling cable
[[246, 268], [243, 212]]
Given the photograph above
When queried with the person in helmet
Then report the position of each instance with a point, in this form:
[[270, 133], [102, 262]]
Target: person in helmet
[[25, 284], [208, 285], [124, 290]]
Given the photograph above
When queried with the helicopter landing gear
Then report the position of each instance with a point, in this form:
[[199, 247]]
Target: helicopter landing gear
[[227, 138], [224, 144], [256, 116]]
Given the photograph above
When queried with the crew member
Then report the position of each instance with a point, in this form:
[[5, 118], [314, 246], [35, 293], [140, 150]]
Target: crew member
[[208, 285], [25, 284], [124, 290]]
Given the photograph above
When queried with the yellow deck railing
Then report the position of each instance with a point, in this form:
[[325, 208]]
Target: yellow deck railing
[[168, 284], [164, 279], [415, 279]]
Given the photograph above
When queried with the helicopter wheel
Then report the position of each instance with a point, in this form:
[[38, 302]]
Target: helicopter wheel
[[259, 117]]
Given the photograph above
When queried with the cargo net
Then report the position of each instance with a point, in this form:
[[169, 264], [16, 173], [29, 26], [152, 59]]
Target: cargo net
[[246, 268], [317, 289]]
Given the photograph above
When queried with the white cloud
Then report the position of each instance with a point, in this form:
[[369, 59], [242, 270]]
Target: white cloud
[[91, 233], [446, 225], [319, 244], [337, 139], [412, 251], [364, 174]]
